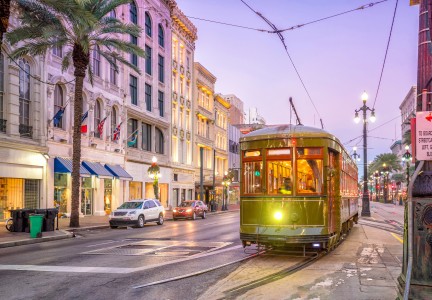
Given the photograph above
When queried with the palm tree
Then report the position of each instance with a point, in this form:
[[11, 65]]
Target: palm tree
[[81, 26], [4, 17], [385, 163]]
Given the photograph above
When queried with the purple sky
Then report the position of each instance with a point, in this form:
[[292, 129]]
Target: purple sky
[[337, 59]]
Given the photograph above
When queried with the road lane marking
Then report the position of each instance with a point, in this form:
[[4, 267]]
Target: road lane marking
[[95, 245], [396, 237]]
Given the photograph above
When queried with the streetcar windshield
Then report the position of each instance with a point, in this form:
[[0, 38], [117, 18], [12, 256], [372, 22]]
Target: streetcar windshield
[[253, 177], [279, 177]]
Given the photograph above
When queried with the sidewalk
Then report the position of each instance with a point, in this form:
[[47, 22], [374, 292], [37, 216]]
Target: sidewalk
[[11, 239]]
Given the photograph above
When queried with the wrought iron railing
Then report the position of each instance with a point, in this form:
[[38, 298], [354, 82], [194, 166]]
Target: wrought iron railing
[[26, 130], [2, 125]]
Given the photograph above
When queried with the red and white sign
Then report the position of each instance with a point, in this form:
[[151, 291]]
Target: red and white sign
[[424, 135]]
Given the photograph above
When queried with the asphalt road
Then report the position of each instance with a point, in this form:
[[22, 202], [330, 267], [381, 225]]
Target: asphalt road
[[111, 264]]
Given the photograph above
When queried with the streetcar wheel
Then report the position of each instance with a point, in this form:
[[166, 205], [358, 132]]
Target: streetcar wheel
[[141, 221], [204, 215], [161, 220]]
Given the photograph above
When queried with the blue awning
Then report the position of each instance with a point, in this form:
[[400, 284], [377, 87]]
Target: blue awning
[[118, 172], [64, 165], [97, 169]]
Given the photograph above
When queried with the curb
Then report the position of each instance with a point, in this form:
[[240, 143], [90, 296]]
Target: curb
[[66, 235]]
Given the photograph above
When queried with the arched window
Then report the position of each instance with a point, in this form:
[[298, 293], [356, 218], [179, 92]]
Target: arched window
[[159, 141], [113, 123], [97, 118], [2, 120], [58, 104], [148, 24], [25, 129], [161, 36], [133, 13]]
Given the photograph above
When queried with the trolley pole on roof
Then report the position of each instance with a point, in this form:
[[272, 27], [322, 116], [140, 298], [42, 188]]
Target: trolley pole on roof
[[295, 111]]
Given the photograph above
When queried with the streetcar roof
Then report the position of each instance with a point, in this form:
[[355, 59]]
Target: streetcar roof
[[284, 131]]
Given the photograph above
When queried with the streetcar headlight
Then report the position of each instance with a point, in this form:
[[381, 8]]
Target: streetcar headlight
[[278, 215]]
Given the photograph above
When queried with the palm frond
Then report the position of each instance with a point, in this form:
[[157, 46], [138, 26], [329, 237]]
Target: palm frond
[[120, 45], [66, 61], [122, 28], [106, 6], [23, 33], [126, 62], [90, 73]]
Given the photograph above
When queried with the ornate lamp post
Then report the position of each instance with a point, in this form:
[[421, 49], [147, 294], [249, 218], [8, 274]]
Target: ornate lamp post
[[154, 173], [385, 171], [376, 175], [364, 109], [226, 181]]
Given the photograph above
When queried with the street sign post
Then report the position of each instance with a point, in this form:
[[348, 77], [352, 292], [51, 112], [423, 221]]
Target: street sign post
[[424, 135]]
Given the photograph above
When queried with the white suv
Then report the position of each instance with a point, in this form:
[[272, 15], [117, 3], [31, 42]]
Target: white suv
[[137, 212]]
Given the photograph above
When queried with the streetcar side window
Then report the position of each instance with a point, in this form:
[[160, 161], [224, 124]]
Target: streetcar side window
[[279, 172], [252, 177], [309, 171]]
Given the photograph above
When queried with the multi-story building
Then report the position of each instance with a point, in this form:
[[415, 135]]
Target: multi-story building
[[408, 110], [221, 138], [253, 117], [184, 35], [148, 100], [203, 100], [236, 111]]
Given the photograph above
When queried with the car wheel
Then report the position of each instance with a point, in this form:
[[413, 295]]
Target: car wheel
[[113, 227], [141, 221], [161, 219], [204, 214], [193, 216]]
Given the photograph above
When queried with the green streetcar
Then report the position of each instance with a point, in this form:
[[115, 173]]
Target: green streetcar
[[298, 188]]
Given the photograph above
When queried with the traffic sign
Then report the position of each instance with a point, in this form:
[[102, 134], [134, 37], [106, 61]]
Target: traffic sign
[[424, 135]]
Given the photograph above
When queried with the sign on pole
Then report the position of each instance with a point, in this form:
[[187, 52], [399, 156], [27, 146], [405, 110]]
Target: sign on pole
[[424, 135]]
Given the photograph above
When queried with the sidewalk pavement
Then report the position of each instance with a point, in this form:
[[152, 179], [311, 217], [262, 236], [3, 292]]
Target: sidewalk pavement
[[11, 239]]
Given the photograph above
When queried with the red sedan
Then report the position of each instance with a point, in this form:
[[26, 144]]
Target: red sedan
[[190, 209]]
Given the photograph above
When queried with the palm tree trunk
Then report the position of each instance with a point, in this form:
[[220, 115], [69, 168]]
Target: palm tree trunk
[[4, 18], [81, 61]]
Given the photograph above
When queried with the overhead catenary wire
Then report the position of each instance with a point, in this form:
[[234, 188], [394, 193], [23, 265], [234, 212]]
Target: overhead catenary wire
[[386, 52], [289, 56]]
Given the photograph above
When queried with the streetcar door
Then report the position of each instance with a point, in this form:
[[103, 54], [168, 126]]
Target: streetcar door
[[332, 188]]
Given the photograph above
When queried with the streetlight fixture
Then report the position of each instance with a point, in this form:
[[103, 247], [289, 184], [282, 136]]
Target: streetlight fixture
[[355, 154], [226, 181], [364, 109], [154, 173], [407, 157]]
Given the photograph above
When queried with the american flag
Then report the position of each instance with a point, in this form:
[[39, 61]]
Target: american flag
[[116, 133], [100, 126]]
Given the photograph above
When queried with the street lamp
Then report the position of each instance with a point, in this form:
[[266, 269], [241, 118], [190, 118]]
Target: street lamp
[[364, 109], [385, 169], [355, 154], [376, 175], [226, 181], [154, 173]]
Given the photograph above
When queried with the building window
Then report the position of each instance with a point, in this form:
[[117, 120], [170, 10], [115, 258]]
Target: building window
[[159, 140], [161, 68], [133, 85], [134, 57], [148, 96], [174, 114], [24, 99], [161, 38], [113, 122], [188, 119], [132, 132], [133, 13], [148, 24], [146, 137], [58, 104], [161, 103], [2, 121], [96, 62], [113, 74], [57, 51], [148, 64], [175, 151], [97, 118]]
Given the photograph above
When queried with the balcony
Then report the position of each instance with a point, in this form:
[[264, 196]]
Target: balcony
[[26, 131], [2, 125]]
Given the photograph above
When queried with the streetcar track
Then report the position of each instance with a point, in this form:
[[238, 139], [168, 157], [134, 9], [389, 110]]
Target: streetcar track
[[394, 230]]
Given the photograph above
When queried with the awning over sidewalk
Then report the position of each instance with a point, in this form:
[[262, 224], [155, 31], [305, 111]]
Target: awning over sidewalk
[[97, 169], [118, 172], [64, 165]]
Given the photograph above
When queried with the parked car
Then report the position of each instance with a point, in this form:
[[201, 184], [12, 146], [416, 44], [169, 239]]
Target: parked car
[[137, 213], [190, 209]]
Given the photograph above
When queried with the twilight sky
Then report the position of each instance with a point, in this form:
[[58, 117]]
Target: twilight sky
[[337, 59]]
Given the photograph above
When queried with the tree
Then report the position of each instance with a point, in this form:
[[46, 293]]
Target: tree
[[4, 17], [385, 164], [407, 138], [81, 26]]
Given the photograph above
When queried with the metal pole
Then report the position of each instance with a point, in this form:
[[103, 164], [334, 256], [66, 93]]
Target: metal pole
[[365, 198], [201, 173]]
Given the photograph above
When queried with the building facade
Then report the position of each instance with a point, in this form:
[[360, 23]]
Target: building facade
[[184, 35], [408, 110]]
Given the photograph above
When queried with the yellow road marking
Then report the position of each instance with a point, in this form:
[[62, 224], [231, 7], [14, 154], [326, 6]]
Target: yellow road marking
[[396, 237]]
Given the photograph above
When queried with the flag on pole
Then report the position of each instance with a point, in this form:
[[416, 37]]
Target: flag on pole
[[84, 127], [100, 126], [134, 139], [58, 116], [116, 132]]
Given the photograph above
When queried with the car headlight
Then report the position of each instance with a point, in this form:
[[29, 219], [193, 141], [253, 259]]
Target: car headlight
[[189, 210], [132, 212], [174, 210]]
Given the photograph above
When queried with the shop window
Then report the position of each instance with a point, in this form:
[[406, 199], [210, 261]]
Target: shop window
[[60, 192], [107, 195], [135, 190]]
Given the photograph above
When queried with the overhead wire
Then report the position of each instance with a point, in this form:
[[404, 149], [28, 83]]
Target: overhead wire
[[386, 52], [229, 24], [289, 56]]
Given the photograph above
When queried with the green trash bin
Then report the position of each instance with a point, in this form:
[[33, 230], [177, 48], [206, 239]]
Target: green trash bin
[[36, 225]]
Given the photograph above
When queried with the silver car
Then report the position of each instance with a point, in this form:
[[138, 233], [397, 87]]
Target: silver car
[[137, 213]]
